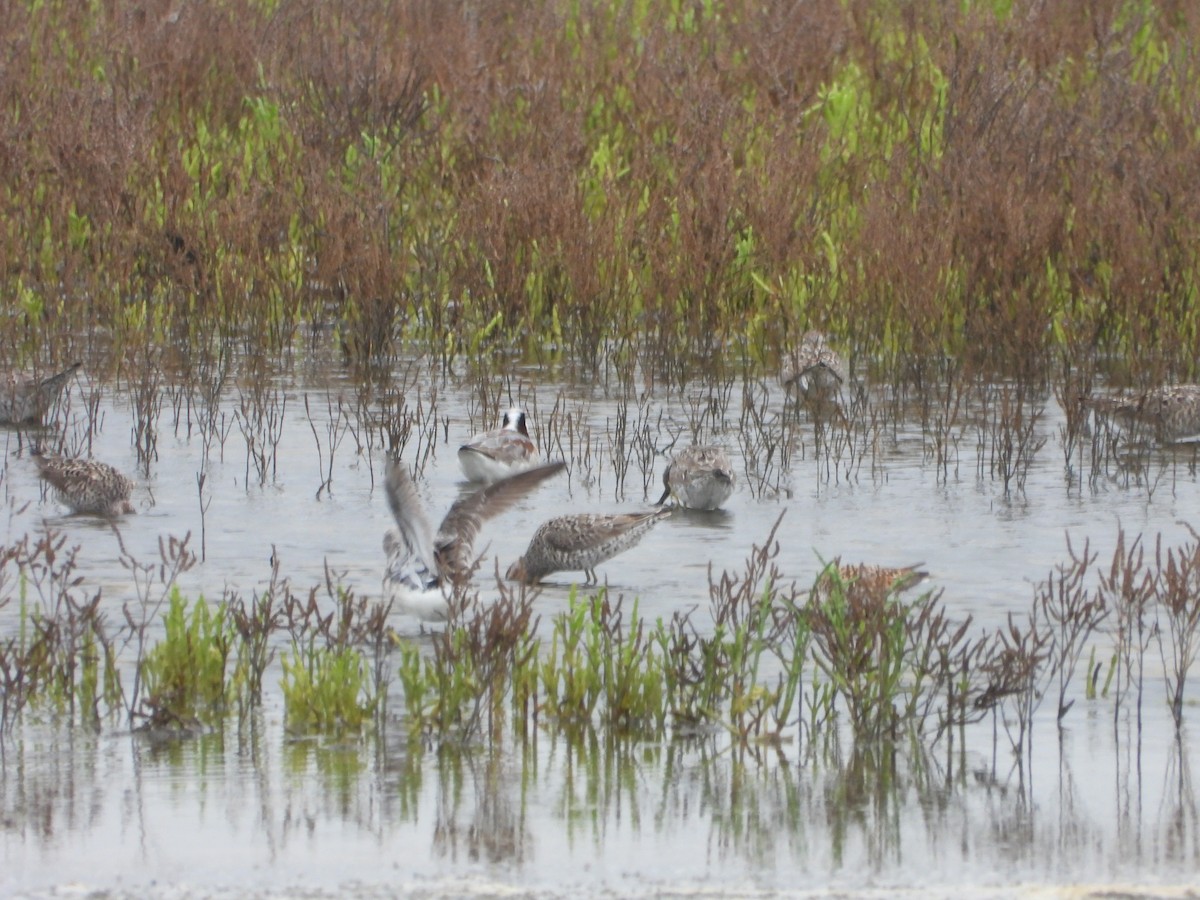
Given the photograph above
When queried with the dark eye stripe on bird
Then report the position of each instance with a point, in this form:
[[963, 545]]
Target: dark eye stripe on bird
[[500, 452]]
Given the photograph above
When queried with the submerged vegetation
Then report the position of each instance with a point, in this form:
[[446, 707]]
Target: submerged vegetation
[[1007, 183]]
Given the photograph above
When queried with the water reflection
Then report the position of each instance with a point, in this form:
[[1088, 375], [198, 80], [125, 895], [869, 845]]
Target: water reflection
[[481, 813], [80, 807]]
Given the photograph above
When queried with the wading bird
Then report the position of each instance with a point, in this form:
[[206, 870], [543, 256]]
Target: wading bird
[[423, 568], [698, 478], [1172, 410], [581, 542], [500, 452], [25, 398], [867, 580], [814, 370], [86, 485]]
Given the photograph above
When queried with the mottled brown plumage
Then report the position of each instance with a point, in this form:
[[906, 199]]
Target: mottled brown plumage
[[1172, 410], [581, 542], [86, 485], [424, 568], [870, 580], [699, 478], [814, 369]]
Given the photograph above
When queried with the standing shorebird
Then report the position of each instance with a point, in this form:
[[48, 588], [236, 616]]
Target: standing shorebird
[[698, 478], [503, 451], [25, 398], [867, 580], [1172, 410], [814, 369], [86, 485], [424, 569], [581, 542]]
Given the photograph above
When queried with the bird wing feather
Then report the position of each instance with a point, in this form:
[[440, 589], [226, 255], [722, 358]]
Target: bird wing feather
[[408, 511], [598, 529], [456, 535]]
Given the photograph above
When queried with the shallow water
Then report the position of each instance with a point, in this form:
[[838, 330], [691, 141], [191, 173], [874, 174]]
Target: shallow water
[[253, 810]]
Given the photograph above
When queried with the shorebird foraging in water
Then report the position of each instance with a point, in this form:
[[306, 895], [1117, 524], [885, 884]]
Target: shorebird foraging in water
[[1172, 410], [425, 569], [503, 451], [86, 485], [698, 478], [581, 542], [25, 398], [866, 580], [814, 370]]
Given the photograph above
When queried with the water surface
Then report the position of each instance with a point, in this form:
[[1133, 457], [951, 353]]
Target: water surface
[[255, 810]]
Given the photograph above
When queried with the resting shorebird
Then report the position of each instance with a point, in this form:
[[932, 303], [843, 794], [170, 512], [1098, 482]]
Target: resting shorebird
[[25, 398], [814, 369], [698, 478], [495, 454], [1172, 410], [581, 542], [864, 579], [86, 485], [423, 568]]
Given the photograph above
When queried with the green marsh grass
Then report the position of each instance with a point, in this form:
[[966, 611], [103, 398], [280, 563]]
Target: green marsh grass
[[335, 676], [327, 690], [187, 675], [153, 585], [602, 669], [483, 664], [859, 637], [256, 622]]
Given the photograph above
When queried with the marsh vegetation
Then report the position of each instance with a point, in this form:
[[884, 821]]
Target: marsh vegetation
[[688, 187], [290, 241]]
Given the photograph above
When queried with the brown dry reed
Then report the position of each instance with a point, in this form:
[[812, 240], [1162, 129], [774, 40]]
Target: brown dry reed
[[582, 181]]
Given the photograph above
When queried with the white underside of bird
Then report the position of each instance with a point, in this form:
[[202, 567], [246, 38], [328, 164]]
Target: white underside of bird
[[409, 586], [493, 455], [479, 466]]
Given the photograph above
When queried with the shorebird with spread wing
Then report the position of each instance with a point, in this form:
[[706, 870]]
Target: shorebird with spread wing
[[424, 568]]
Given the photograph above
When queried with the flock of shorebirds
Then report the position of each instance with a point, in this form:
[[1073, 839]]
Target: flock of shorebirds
[[425, 568]]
